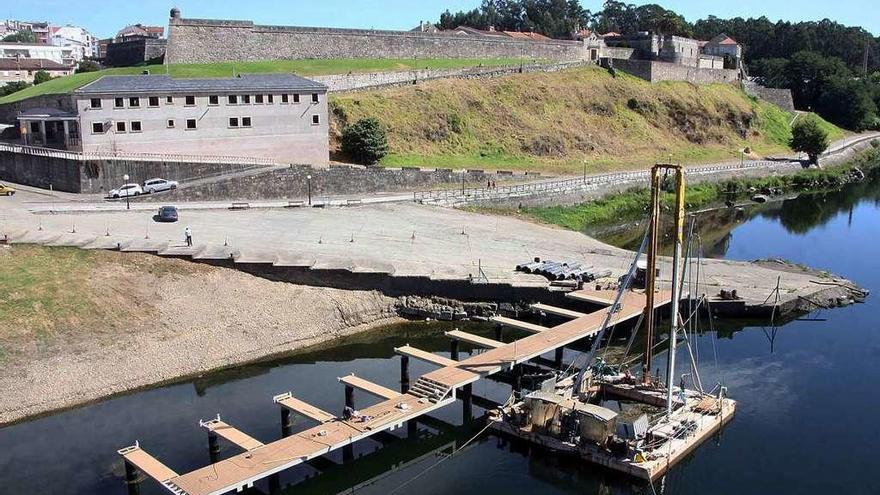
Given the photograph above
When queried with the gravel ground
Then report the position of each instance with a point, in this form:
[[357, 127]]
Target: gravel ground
[[200, 322]]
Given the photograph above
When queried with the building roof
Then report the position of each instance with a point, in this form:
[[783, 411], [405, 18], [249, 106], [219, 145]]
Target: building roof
[[31, 64], [723, 39], [141, 30], [527, 35], [167, 84]]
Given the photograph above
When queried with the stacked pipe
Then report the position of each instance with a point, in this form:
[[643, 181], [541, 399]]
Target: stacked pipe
[[556, 270]]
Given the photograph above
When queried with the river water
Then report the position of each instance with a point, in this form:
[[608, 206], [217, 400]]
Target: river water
[[807, 391]]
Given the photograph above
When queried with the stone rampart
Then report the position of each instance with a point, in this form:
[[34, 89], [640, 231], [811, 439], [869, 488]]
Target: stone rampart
[[778, 96], [355, 81], [654, 71], [209, 40]]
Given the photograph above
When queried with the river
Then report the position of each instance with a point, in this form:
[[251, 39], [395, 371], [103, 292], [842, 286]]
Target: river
[[807, 392]]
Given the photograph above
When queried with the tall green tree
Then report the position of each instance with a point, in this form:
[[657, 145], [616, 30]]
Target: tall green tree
[[809, 137], [23, 36]]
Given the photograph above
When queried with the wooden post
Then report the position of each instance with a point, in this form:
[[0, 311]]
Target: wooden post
[[286, 423], [349, 396], [132, 479], [404, 374], [453, 349], [650, 275], [213, 447], [467, 403]]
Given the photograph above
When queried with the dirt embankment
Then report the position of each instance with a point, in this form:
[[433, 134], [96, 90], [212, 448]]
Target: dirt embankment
[[84, 325]]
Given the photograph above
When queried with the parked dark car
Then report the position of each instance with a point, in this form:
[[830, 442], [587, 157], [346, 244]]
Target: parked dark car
[[167, 214]]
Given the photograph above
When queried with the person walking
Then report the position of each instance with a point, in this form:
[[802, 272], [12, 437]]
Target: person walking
[[188, 233]]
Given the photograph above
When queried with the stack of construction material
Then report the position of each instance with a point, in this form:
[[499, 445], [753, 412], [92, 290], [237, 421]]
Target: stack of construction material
[[563, 270]]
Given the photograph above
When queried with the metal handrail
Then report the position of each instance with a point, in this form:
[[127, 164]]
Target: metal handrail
[[96, 155]]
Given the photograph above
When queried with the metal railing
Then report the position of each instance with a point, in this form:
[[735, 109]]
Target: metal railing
[[150, 157], [464, 195]]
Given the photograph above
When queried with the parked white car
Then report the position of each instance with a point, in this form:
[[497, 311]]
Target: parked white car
[[157, 185], [126, 190]]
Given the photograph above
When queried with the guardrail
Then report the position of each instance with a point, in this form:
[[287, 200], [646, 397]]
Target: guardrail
[[463, 195], [149, 157]]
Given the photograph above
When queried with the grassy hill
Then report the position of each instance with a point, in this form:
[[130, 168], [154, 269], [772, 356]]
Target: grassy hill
[[557, 122], [227, 69]]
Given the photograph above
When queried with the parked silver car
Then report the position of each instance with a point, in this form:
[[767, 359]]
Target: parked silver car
[[157, 185], [126, 190]]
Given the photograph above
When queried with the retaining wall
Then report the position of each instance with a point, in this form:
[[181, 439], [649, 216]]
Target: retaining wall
[[654, 71], [293, 183], [778, 96], [99, 176], [211, 40]]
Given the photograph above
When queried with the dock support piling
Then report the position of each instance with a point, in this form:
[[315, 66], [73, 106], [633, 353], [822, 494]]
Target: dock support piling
[[467, 403], [347, 453], [286, 423], [213, 447], [557, 358], [349, 396], [132, 479], [274, 483], [517, 377], [453, 349], [412, 429], [499, 333], [404, 374]]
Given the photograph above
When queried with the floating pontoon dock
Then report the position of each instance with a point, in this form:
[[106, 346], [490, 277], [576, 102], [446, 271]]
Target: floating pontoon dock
[[429, 392]]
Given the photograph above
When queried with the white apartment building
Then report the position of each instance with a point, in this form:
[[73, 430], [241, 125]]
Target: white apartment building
[[58, 54], [78, 40]]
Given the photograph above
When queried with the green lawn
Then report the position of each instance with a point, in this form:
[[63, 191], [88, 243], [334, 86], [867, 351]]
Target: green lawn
[[228, 69]]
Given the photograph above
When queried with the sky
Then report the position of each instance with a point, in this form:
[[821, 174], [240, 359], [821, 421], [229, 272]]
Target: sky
[[104, 18]]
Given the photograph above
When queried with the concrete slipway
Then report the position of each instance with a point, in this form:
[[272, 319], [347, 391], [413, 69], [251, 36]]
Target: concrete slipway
[[399, 248]]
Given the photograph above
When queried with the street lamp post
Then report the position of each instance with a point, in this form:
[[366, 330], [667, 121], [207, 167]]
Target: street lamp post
[[125, 181], [309, 179]]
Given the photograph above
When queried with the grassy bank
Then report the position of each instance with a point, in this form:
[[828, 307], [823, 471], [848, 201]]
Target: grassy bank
[[228, 69], [559, 122], [632, 204]]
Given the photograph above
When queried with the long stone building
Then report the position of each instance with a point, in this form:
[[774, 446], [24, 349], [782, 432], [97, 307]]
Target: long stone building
[[278, 116]]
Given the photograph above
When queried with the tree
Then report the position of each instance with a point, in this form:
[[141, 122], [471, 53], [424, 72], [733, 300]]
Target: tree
[[87, 66], [23, 36], [41, 76], [13, 87], [848, 103], [365, 141], [807, 136]]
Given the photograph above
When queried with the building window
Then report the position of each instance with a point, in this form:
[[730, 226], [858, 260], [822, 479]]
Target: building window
[[246, 99], [97, 128], [258, 99], [153, 101], [190, 124], [134, 102], [316, 119], [169, 100], [213, 100], [233, 121], [119, 103], [190, 101], [296, 98], [232, 99], [95, 103], [284, 99], [135, 126], [245, 121], [270, 99], [314, 97], [120, 126], [170, 124]]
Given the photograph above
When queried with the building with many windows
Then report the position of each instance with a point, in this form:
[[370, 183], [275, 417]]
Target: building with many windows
[[277, 116]]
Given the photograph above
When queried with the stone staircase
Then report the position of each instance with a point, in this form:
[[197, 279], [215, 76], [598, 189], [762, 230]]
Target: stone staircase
[[425, 388]]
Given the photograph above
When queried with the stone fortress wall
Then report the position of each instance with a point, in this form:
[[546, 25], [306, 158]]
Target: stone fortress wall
[[211, 40]]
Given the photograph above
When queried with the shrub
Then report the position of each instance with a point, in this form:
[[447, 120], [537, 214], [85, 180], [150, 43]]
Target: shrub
[[12, 87], [41, 77], [808, 137], [365, 141], [87, 66]]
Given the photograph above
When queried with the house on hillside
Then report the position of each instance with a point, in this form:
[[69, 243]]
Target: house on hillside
[[24, 69], [278, 116], [725, 47], [58, 54]]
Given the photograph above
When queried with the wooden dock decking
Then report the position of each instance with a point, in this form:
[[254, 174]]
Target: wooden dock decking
[[231, 434], [241, 471], [553, 310]]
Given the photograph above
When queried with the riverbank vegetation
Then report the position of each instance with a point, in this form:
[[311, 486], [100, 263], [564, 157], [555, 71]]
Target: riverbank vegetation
[[632, 204], [564, 122]]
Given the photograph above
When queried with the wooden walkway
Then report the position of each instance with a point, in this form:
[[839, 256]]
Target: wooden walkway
[[263, 460]]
